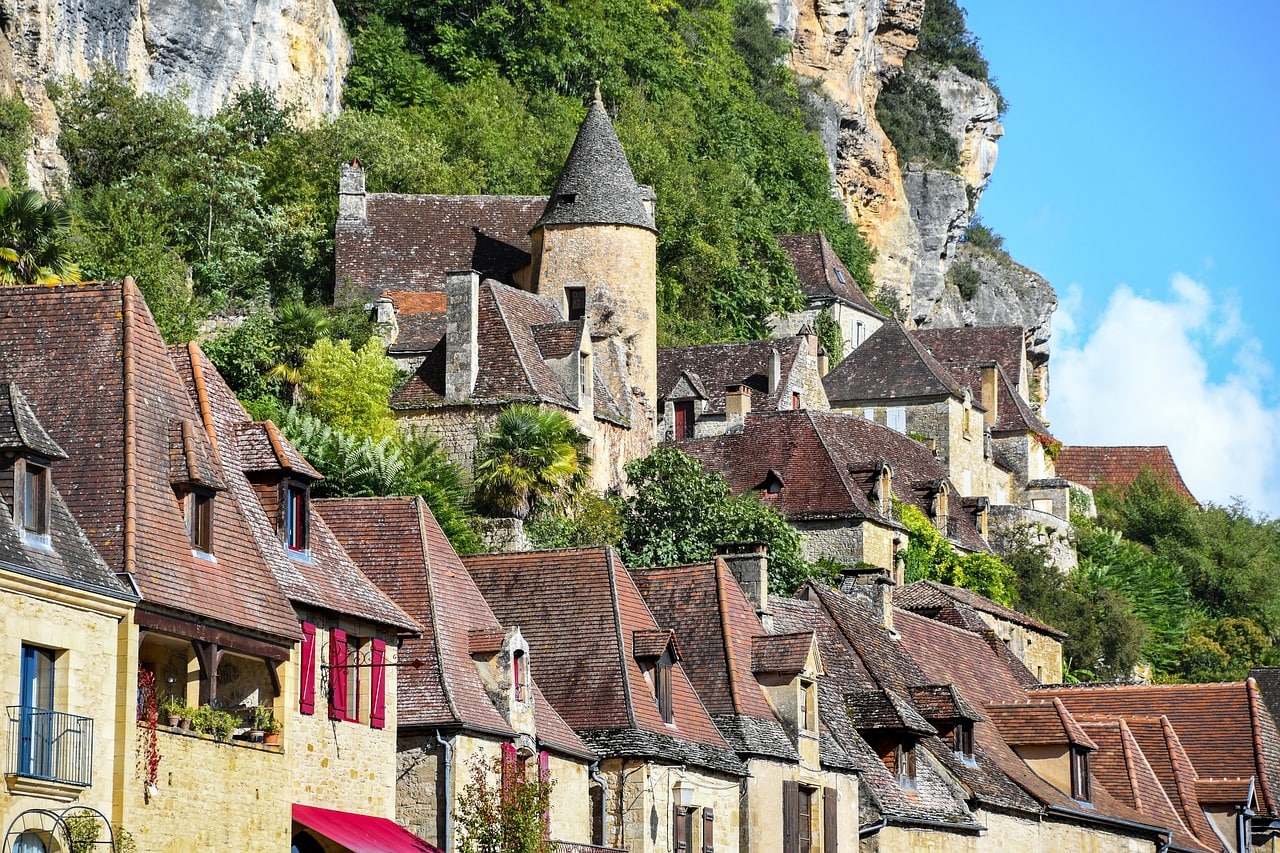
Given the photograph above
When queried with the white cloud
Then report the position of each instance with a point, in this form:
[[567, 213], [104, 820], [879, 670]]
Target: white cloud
[[1142, 376]]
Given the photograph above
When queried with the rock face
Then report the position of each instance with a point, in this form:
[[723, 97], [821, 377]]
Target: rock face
[[209, 49]]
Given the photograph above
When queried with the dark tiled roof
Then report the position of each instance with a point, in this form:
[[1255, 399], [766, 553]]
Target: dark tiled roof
[[1118, 466], [978, 345], [579, 609], [780, 653], [558, 339], [19, 427], [409, 242], [327, 579], [883, 709], [595, 185], [1013, 415], [821, 272], [262, 447], [890, 367], [66, 348], [927, 597], [420, 319], [943, 702], [399, 544], [712, 367]]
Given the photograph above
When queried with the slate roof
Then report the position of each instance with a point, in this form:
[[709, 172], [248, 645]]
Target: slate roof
[[828, 463], [420, 320], [595, 185], [719, 633], [327, 579], [780, 653], [821, 272], [91, 363], [1118, 466], [891, 367], [399, 544], [1004, 345], [579, 609], [1013, 414], [712, 367], [409, 242], [929, 597], [20, 429]]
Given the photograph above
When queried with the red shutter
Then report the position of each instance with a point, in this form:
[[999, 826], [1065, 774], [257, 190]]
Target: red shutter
[[510, 769], [378, 686], [708, 831], [829, 841], [337, 674], [544, 776], [307, 688], [790, 817]]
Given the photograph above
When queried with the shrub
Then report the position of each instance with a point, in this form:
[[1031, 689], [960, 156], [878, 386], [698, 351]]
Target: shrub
[[979, 236], [966, 279], [915, 120]]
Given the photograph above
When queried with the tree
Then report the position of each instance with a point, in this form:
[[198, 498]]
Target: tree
[[350, 389], [298, 326], [532, 458], [506, 816], [34, 239], [929, 556]]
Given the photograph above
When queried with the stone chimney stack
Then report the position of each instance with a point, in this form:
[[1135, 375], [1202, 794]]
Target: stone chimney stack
[[462, 292], [990, 394], [775, 369], [737, 405], [824, 363], [749, 562], [874, 587], [351, 195]]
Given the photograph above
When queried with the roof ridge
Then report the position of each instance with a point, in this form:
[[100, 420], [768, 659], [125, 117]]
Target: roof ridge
[[202, 396], [506, 327], [428, 582], [1251, 691], [129, 379], [1126, 752], [726, 634], [611, 574]]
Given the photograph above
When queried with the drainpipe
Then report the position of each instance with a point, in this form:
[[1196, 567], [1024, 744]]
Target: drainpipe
[[448, 792], [872, 829], [593, 773]]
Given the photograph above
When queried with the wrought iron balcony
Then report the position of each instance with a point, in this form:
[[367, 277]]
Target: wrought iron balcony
[[50, 745]]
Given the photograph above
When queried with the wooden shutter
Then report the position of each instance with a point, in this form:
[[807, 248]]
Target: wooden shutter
[[708, 831], [790, 817], [378, 686], [337, 674], [679, 827], [829, 839], [510, 768], [307, 687]]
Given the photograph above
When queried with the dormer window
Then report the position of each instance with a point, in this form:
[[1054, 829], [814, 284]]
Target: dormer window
[[32, 480], [904, 762], [795, 401], [662, 687], [297, 518], [839, 275], [941, 507], [1080, 774], [197, 511], [808, 705], [772, 484], [962, 740], [575, 299], [519, 676], [584, 376]]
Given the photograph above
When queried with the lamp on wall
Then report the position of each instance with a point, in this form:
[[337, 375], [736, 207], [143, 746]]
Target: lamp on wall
[[682, 794]]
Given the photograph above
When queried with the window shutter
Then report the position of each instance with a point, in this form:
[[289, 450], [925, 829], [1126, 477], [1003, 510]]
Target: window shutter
[[510, 769], [544, 776], [378, 686], [679, 843], [307, 688], [829, 838], [337, 674], [708, 831], [790, 817]]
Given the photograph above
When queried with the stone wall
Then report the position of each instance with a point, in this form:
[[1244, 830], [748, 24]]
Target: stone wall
[[855, 325], [641, 795], [1007, 833], [761, 820]]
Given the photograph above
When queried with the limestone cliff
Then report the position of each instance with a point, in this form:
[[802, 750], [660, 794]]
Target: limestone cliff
[[206, 49]]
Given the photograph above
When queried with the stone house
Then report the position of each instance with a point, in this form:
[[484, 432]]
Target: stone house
[[707, 390], [547, 300], [835, 477], [761, 690], [65, 615], [666, 776], [827, 286], [468, 687]]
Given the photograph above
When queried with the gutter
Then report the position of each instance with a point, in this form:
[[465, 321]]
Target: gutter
[[448, 792], [593, 773], [1107, 820], [872, 829]]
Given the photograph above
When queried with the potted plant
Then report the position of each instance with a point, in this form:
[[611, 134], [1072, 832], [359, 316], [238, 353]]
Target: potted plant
[[185, 713], [171, 710], [265, 720]]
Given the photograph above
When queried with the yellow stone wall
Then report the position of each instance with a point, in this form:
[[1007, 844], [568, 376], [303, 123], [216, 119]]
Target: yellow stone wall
[[1041, 653], [761, 821], [1051, 763], [1006, 834], [86, 630], [637, 792]]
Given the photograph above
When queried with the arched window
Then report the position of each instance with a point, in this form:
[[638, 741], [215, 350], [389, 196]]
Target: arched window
[[304, 843], [30, 842]]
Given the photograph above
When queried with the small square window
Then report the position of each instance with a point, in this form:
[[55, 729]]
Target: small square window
[[576, 302]]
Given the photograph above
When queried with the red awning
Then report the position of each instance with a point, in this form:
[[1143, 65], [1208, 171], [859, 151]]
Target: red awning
[[361, 833]]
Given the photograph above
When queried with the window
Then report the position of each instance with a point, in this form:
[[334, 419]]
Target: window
[[662, 687], [962, 739], [1080, 774], [681, 828], [49, 744], [29, 842], [804, 820], [808, 715], [584, 376], [839, 275], [518, 671], [795, 400], [575, 302], [344, 676], [859, 335], [198, 514], [297, 518], [904, 761], [35, 498], [895, 418], [684, 419]]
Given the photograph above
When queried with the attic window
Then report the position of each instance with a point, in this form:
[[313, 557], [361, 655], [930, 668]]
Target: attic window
[[772, 484], [32, 480], [904, 762], [662, 687], [297, 518], [684, 419], [197, 512], [795, 400], [962, 740], [1080, 774], [839, 275], [519, 676], [567, 198], [808, 705], [584, 376], [575, 302]]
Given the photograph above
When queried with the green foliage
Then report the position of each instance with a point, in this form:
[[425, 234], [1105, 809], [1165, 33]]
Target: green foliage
[[211, 721], [829, 334], [500, 813], [1149, 512], [532, 459], [34, 238], [945, 40], [1224, 650], [889, 303], [929, 556], [350, 389], [966, 279], [83, 828], [245, 354], [679, 513], [980, 236], [915, 120], [593, 522], [15, 138]]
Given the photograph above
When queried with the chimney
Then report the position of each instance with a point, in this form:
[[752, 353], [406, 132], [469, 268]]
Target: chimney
[[824, 363], [775, 370], [351, 195], [749, 562], [462, 294], [990, 398], [737, 405], [874, 587]]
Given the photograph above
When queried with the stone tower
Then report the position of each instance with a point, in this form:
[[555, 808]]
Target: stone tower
[[595, 252]]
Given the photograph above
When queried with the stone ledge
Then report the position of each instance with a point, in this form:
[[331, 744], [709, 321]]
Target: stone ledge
[[66, 792], [276, 749]]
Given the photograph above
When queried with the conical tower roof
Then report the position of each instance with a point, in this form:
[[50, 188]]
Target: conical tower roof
[[596, 185]]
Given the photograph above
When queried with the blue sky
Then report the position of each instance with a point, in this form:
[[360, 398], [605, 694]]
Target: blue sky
[[1138, 173]]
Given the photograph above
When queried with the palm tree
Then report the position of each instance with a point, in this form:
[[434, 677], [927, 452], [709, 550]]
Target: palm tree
[[34, 235], [532, 458], [298, 326]]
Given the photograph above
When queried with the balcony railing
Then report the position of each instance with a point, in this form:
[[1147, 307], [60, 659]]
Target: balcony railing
[[50, 745]]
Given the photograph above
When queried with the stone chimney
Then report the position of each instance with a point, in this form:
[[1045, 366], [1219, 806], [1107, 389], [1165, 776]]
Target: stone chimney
[[874, 587], [990, 394], [462, 292], [775, 369], [749, 562], [737, 405], [351, 195]]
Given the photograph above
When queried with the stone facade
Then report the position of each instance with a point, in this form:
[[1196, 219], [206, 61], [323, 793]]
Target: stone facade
[[1007, 833], [953, 430], [639, 801], [855, 325], [849, 544]]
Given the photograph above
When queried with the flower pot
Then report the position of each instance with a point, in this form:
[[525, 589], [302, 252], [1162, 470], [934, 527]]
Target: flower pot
[[184, 723], [174, 721], [271, 738], [255, 736]]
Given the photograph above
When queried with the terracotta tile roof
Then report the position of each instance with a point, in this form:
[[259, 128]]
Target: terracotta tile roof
[[326, 579], [1042, 723], [1005, 345], [1224, 791], [1118, 466], [718, 631], [409, 302], [1164, 753], [651, 645], [821, 272], [66, 348], [938, 702], [409, 242], [890, 367], [929, 597], [712, 367], [262, 447], [399, 544], [20, 429], [1206, 717], [828, 463], [189, 461], [420, 321], [781, 653], [580, 610]]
